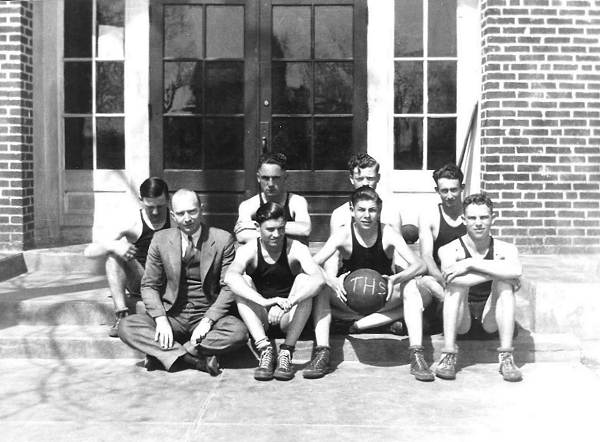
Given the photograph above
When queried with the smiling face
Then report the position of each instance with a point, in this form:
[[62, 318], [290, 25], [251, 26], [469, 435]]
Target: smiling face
[[271, 178], [366, 214], [186, 211], [367, 176], [450, 192], [272, 232], [478, 219]]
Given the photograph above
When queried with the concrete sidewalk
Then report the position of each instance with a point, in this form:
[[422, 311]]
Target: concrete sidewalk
[[108, 400]]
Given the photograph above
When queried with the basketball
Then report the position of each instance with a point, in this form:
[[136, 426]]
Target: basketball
[[366, 291], [410, 233]]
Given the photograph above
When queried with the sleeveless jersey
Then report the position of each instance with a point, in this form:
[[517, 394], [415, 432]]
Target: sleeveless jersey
[[373, 257], [286, 207], [273, 280], [480, 292], [446, 234], [143, 242]]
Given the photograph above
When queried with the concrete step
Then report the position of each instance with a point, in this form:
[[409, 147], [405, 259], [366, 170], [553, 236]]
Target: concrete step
[[63, 260]]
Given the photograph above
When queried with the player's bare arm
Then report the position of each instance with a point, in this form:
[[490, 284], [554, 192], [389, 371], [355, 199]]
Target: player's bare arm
[[301, 225], [428, 219], [300, 255], [119, 243], [246, 228], [330, 249], [416, 266]]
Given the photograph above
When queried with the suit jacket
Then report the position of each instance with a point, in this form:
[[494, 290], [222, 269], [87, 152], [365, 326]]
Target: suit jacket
[[160, 283]]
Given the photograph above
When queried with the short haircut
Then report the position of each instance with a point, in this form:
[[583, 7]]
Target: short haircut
[[478, 199], [154, 187], [449, 171], [365, 193], [269, 211], [362, 161], [273, 158]]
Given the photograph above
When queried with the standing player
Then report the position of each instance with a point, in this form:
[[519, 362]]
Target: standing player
[[368, 243], [271, 175], [126, 250], [281, 278], [480, 273]]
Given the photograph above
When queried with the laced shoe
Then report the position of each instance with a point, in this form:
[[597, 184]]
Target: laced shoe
[[284, 370], [446, 367], [319, 364], [418, 367], [508, 369], [113, 332], [266, 364]]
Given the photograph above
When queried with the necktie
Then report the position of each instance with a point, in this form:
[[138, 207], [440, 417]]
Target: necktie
[[189, 250]]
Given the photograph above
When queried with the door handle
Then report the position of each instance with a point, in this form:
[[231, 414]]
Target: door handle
[[264, 136], [264, 144]]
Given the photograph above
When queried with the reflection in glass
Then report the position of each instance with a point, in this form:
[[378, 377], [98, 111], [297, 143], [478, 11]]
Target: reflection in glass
[[333, 32], [110, 143], [291, 85], [78, 87], [225, 31], [224, 87], [408, 87], [183, 34], [182, 87], [441, 142], [408, 143], [79, 144], [182, 143], [333, 143], [78, 28], [442, 28], [291, 136], [224, 143], [408, 41], [441, 85], [109, 87], [291, 32], [110, 24], [333, 88]]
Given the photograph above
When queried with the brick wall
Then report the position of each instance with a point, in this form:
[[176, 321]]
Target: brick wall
[[16, 125], [540, 114]]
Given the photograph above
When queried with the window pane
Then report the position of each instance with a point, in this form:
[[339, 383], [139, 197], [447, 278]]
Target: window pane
[[182, 143], [225, 31], [408, 143], [224, 87], [333, 143], [292, 88], [441, 84], [78, 143], [408, 87], [110, 143], [291, 32], [291, 136], [224, 142], [333, 88], [110, 28], [408, 40], [78, 87], [333, 32], [183, 31], [442, 28], [182, 87], [109, 87], [78, 28], [441, 139]]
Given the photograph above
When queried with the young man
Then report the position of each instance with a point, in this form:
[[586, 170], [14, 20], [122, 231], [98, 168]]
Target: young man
[[281, 278], [271, 176], [126, 250], [187, 322], [368, 243], [480, 274]]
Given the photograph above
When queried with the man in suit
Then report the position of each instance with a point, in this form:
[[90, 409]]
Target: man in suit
[[187, 322]]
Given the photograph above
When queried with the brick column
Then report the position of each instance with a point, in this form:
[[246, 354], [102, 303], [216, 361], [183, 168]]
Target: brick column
[[16, 125], [541, 122]]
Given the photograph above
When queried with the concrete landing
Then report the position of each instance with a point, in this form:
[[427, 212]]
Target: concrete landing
[[51, 400]]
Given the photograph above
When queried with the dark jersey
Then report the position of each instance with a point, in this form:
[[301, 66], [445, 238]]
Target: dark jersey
[[286, 207], [480, 292], [143, 242], [446, 234], [273, 280], [373, 257]]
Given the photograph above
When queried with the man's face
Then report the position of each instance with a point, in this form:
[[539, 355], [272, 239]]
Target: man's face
[[478, 220], [272, 232], [156, 208], [186, 212], [367, 176], [366, 214], [450, 192], [271, 179]]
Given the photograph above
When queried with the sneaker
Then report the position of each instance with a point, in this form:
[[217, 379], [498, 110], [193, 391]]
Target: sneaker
[[446, 367], [266, 364], [113, 332], [508, 369], [284, 370], [418, 367], [319, 364]]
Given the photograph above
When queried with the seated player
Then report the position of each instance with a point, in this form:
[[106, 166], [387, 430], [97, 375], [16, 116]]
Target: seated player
[[127, 248], [480, 274], [274, 279], [271, 175], [367, 243]]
